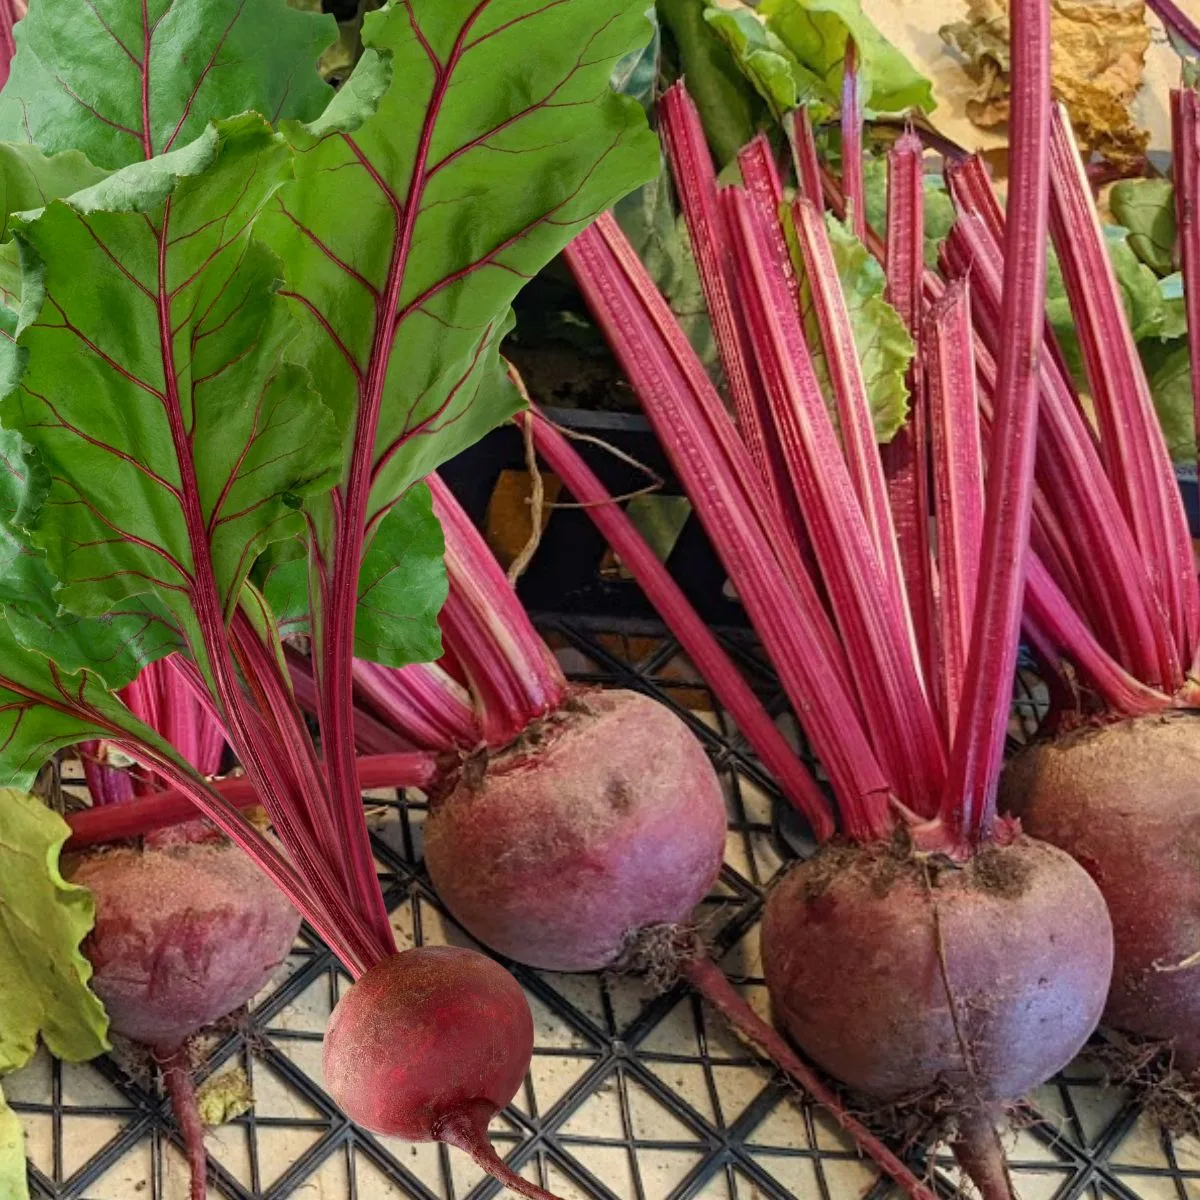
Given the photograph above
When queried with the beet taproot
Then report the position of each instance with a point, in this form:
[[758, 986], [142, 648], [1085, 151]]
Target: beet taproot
[[1124, 801], [909, 977], [429, 1045], [609, 819]]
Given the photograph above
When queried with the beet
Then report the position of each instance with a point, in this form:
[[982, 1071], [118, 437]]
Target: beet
[[184, 934], [606, 819], [862, 944], [1124, 801], [429, 1045]]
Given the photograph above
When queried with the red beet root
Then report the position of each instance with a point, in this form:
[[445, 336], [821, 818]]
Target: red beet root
[[612, 820], [428, 1046], [183, 936], [900, 976], [186, 932], [1124, 801]]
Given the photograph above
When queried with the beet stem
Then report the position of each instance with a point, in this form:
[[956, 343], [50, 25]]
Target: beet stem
[[177, 1075], [977, 1148], [708, 979], [467, 1130]]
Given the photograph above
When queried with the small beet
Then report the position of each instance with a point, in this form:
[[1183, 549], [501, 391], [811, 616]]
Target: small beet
[[184, 935], [611, 821], [903, 977], [429, 1045], [187, 930], [1124, 801]]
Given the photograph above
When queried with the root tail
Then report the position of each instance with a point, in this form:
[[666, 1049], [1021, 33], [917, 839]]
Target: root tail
[[177, 1075], [708, 979], [977, 1148], [468, 1132]]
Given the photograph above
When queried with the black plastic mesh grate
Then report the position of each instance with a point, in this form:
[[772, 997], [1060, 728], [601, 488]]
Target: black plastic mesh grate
[[629, 1098]]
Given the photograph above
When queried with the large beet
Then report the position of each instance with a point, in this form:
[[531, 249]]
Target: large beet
[[1124, 801], [900, 976], [611, 820], [185, 933]]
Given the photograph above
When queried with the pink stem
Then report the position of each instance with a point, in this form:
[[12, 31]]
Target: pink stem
[[682, 620], [513, 676], [1185, 130], [422, 702], [852, 145], [159, 810], [874, 631], [715, 469], [696, 187], [855, 424], [969, 802], [1132, 444], [797, 126], [1177, 21], [905, 460], [958, 474]]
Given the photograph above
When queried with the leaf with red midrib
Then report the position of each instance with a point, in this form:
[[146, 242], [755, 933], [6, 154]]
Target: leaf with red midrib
[[472, 142], [177, 441], [122, 81]]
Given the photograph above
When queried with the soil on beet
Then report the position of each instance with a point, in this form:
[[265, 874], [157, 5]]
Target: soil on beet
[[1124, 800], [607, 818], [904, 975]]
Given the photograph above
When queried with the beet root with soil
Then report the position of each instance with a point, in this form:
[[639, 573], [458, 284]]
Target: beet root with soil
[[906, 976], [185, 933], [1124, 801], [608, 819]]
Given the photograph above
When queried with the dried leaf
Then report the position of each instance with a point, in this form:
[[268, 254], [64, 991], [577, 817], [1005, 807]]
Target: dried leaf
[[1098, 54]]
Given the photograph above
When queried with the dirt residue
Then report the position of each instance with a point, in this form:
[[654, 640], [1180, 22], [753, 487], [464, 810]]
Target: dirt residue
[[1000, 873]]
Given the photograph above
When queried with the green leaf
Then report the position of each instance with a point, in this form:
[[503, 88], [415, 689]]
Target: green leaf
[[884, 346], [1169, 371], [122, 82], [939, 209], [43, 919], [30, 179], [729, 107], [1139, 286], [401, 587], [13, 1178], [770, 66], [175, 457], [468, 163], [1170, 287], [1146, 207], [815, 31]]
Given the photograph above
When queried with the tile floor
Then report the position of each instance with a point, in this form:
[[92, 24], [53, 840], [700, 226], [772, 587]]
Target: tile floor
[[630, 1096]]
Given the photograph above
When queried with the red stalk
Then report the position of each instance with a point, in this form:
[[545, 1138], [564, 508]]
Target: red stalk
[[682, 620], [905, 460], [1131, 441], [371, 735], [513, 676], [717, 473], [8, 45], [855, 424], [1185, 131], [874, 630], [428, 706], [852, 144], [958, 476], [797, 125], [691, 165], [1121, 604], [159, 810], [969, 803]]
